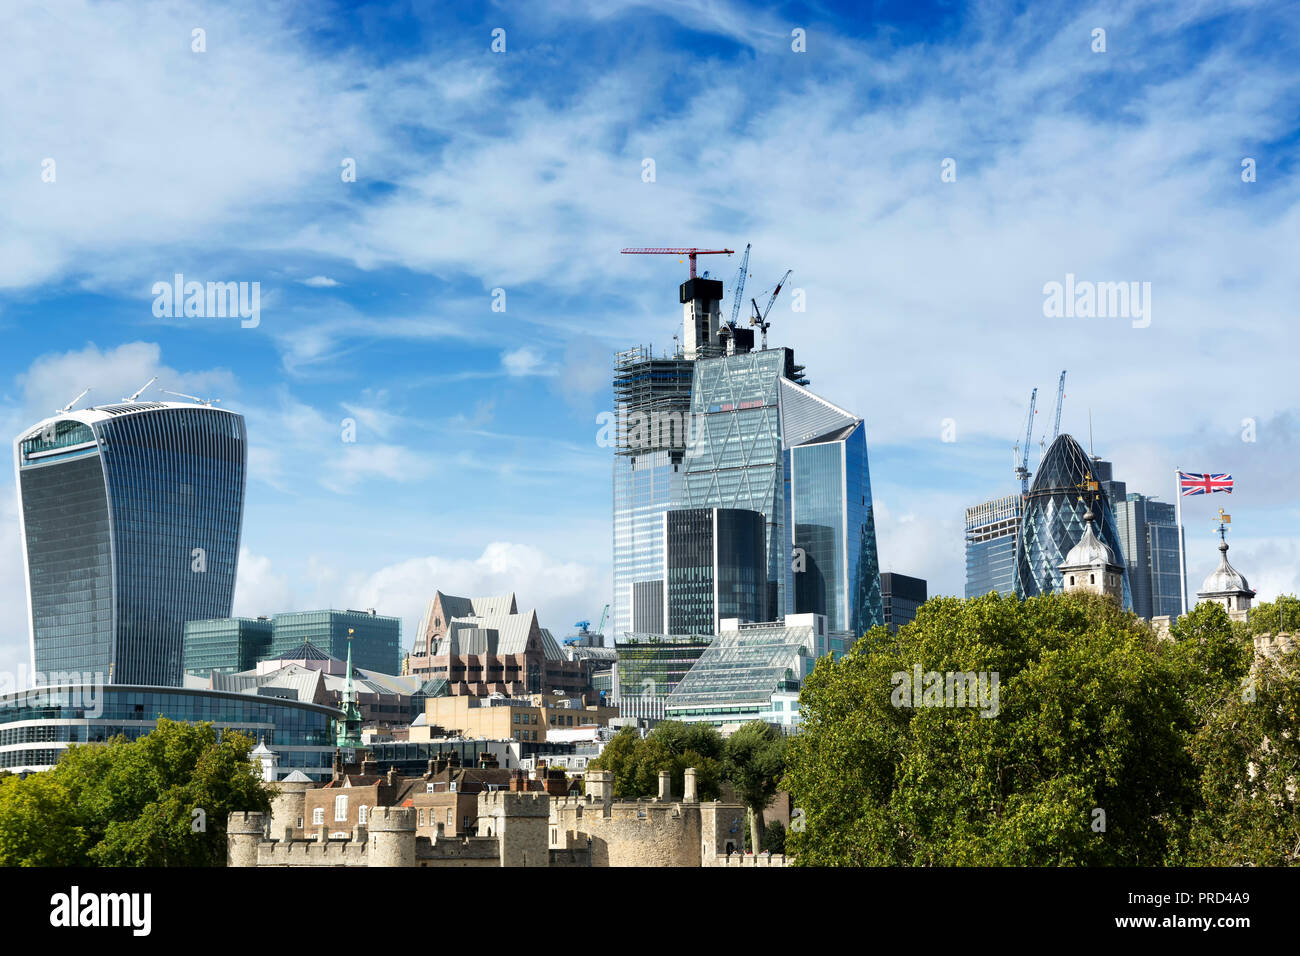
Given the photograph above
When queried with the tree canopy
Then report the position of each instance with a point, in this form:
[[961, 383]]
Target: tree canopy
[[672, 745], [1098, 749], [133, 803]]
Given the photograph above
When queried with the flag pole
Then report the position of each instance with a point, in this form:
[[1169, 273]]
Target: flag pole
[[1182, 544]]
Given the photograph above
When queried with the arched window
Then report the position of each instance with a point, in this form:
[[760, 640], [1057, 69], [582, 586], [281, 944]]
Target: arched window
[[340, 808]]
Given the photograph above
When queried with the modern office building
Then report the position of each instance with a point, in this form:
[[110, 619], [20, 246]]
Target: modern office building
[[1148, 536], [1064, 490], [901, 596], [652, 404], [992, 528], [376, 638], [751, 672], [225, 645], [763, 442], [38, 725], [714, 567], [130, 517], [649, 667]]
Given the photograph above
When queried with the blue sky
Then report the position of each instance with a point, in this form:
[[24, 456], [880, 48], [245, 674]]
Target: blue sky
[[476, 467]]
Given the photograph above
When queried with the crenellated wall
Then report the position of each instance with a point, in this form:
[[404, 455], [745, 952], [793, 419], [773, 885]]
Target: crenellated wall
[[515, 828]]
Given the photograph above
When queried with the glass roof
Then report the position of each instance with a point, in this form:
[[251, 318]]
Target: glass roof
[[745, 666]]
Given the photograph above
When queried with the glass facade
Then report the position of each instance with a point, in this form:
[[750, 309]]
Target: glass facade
[[1148, 535], [36, 726], [736, 679], [649, 666], [835, 563], [991, 531], [376, 643], [715, 568], [902, 596], [1063, 491], [735, 458], [225, 645], [652, 407], [131, 520]]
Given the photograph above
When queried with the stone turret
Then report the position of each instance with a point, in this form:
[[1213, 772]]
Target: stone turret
[[1091, 566], [519, 821], [392, 836], [243, 836], [600, 787], [1226, 585]]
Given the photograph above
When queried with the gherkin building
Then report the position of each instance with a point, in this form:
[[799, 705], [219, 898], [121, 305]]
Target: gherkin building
[[1053, 521]]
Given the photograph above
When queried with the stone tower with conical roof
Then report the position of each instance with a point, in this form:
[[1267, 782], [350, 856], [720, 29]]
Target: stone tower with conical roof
[[1091, 566], [1226, 585]]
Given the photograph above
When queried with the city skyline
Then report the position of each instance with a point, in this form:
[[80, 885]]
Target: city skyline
[[475, 466]]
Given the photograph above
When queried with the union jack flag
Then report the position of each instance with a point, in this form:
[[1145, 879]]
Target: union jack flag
[[1204, 484]]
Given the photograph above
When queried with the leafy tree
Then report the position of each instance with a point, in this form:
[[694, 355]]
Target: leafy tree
[[673, 746], [1249, 752], [754, 762], [1272, 617], [132, 803], [1091, 718]]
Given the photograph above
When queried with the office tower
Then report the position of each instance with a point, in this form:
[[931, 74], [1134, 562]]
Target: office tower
[[1148, 535], [991, 531], [834, 568], [376, 642], [1064, 489], [763, 442], [715, 567], [225, 645], [130, 518], [652, 402], [901, 595]]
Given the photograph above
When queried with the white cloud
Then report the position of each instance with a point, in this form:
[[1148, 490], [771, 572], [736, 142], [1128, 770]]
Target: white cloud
[[319, 282], [521, 361]]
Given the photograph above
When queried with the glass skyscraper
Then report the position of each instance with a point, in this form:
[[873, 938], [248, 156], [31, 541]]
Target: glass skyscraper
[[1065, 487], [652, 402], [130, 516], [991, 531], [1148, 534], [763, 442], [715, 567]]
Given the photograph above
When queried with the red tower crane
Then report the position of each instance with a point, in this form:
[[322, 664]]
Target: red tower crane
[[690, 253]]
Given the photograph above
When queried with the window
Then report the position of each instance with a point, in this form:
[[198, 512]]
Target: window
[[363, 815], [341, 808], [421, 818], [450, 819], [318, 816]]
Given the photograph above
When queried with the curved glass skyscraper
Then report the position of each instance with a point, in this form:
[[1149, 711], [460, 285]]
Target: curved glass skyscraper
[[130, 516], [1053, 522]]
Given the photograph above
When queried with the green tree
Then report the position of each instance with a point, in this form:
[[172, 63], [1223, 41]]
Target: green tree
[[673, 746], [1249, 754], [754, 762], [1083, 760], [133, 803]]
